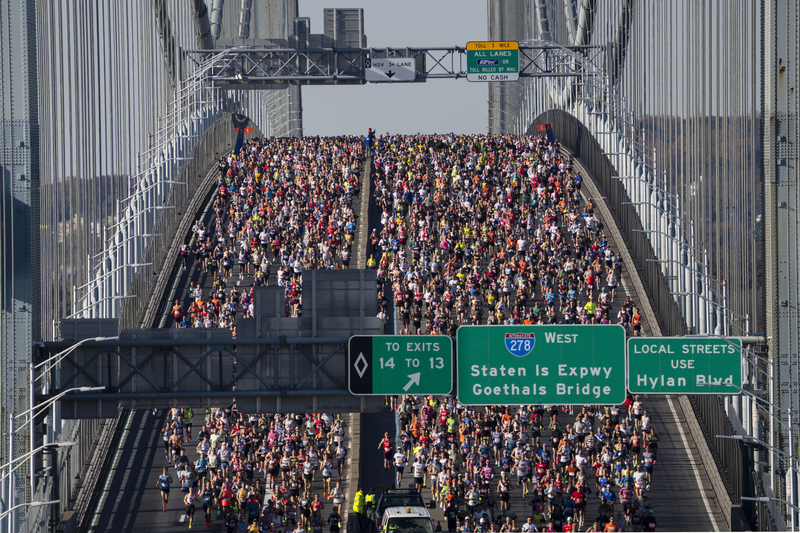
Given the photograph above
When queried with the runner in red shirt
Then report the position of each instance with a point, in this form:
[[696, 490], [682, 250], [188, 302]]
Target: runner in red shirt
[[388, 447], [541, 469], [580, 504]]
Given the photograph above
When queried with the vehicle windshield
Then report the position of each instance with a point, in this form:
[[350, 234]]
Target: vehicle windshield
[[400, 500], [409, 525]]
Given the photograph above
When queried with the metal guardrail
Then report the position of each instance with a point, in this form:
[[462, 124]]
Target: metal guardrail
[[73, 482], [87, 499], [730, 456], [733, 459]]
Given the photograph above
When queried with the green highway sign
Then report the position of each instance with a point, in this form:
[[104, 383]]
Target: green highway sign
[[493, 61], [684, 365], [400, 364], [558, 364]]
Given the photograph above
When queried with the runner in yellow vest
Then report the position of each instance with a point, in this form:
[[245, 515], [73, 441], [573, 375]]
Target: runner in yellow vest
[[188, 416]]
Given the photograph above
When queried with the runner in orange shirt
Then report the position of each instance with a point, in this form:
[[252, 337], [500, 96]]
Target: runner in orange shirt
[[612, 524], [177, 312]]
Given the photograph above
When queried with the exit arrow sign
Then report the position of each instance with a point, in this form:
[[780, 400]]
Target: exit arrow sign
[[400, 364], [414, 380]]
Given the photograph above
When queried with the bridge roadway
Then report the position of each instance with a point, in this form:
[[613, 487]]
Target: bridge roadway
[[680, 504], [681, 491], [130, 502]]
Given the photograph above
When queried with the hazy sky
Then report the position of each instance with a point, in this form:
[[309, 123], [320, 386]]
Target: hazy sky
[[433, 106]]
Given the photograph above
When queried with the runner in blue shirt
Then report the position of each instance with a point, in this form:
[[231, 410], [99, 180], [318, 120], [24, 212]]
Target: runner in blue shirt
[[163, 483], [544, 455], [608, 496]]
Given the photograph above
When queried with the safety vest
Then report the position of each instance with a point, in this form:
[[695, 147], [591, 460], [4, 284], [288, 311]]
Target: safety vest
[[358, 502], [370, 499]]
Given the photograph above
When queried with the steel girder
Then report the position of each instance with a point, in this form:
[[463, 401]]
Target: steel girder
[[264, 374]]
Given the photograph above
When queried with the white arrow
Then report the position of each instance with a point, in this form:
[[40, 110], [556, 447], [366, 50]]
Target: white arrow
[[414, 380]]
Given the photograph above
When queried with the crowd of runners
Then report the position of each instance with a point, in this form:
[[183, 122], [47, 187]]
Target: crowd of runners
[[568, 470], [493, 230], [282, 202], [474, 230], [489, 230], [255, 472]]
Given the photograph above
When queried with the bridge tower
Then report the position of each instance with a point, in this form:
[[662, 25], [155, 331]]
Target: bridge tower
[[19, 240]]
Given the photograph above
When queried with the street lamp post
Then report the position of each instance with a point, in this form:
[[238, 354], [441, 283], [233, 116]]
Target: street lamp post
[[30, 454], [697, 313], [12, 418], [771, 379], [9, 475], [46, 366], [765, 499], [66, 352], [29, 504], [792, 473], [102, 300]]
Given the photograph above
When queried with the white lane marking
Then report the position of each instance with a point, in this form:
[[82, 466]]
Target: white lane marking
[[692, 465], [109, 475], [183, 517]]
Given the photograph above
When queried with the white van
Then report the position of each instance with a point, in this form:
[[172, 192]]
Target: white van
[[406, 520]]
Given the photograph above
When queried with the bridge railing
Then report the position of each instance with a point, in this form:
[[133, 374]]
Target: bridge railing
[[590, 118], [196, 106], [734, 460], [584, 91], [572, 135], [196, 183]]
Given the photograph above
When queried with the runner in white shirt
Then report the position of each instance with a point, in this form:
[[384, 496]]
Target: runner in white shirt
[[418, 469], [529, 526], [639, 482], [523, 473], [399, 465]]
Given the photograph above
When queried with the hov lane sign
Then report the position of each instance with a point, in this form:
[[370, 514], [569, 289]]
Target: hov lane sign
[[390, 69], [400, 364]]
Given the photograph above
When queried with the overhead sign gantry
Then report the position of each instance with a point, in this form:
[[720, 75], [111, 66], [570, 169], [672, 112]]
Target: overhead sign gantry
[[251, 67]]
